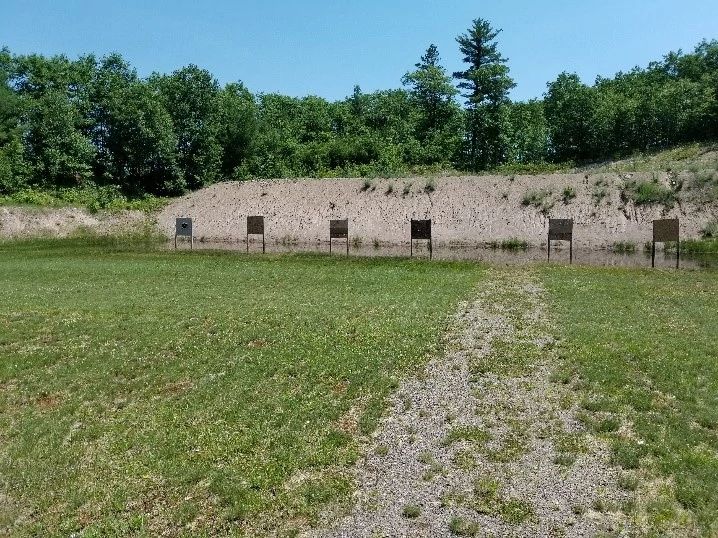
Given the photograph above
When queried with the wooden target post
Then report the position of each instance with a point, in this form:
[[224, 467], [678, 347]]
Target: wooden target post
[[338, 229], [420, 230], [561, 230], [255, 226], [665, 230]]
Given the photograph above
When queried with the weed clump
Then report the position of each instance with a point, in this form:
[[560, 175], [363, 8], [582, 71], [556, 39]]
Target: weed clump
[[624, 247], [568, 194], [540, 199], [411, 511], [647, 193]]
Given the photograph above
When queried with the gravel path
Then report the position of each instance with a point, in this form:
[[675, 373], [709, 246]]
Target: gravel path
[[485, 442]]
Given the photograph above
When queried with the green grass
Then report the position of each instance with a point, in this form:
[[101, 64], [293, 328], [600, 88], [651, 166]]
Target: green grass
[[148, 392], [647, 359]]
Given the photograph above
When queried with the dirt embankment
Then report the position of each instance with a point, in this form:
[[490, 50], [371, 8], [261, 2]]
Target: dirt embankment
[[26, 222], [464, 210]]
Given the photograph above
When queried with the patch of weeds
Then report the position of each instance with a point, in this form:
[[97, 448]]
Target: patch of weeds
[[578, 509], [514, 244], [366, 185], [376, 244], [464, 459], [568, 194], [564, 459], [407, 190], [472, 434], [430, 186], [600, 191], [541, 199], [624, 247], [512, 447], [628, 482], [647, 193], [574, 442], [516, 511], [426, 458], [603, 506], [357, 241], [699, 246], [462, 527], [488, 500], [411, 511], [389, 189], [453, 497], [381, 450]]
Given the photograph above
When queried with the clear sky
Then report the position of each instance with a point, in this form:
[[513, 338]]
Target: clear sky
[[324, 47]]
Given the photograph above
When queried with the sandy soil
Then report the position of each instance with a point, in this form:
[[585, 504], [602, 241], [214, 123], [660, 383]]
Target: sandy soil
[[464, 210], [24, 222]]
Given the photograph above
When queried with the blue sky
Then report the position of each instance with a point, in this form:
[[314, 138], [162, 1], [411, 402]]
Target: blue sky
[[324, 47]]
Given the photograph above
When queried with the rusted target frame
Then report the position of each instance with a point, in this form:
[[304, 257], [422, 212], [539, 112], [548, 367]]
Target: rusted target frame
[[339, 229], [255, 226], [183, 228], [420, 230], [561, 230], [665, 230]]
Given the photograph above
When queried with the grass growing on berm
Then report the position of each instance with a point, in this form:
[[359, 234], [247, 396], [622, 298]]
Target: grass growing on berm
[[146, 391], [641, 348]]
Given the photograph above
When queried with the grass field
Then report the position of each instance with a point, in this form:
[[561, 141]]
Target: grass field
[[641, 347], [145, 392]]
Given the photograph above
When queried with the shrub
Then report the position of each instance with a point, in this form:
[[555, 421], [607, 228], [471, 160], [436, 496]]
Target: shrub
[[623, 247], [569, 193], [538, 198], [647, 193], [411, 511]]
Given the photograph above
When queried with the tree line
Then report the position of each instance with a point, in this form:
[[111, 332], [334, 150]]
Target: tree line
[[94, 121]]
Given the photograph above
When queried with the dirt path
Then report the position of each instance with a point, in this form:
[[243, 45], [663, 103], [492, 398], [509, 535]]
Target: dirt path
[[486, 442]]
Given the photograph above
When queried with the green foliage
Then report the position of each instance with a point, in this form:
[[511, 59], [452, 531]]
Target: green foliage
[[623, 247], [647, 193], [568, 194], [541, 199], [486, 83], [67, 123], [411, 511], [91, 197]]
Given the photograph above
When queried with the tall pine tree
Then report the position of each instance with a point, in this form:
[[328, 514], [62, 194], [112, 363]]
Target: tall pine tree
[[486, 83]]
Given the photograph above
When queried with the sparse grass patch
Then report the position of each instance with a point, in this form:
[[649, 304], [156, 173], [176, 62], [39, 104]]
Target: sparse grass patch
[[488, 500], [411, 511], [462, 527], [541, 199], [177, 383], [647, 193], [600, 191], [568, 194], [472, 434], [430, 186]]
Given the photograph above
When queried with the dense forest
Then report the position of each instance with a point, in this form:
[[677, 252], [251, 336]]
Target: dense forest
[[90, 121]]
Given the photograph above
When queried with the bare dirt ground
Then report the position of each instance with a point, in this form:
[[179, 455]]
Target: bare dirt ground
[[464, 210], [485, 441], [24, 222]]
